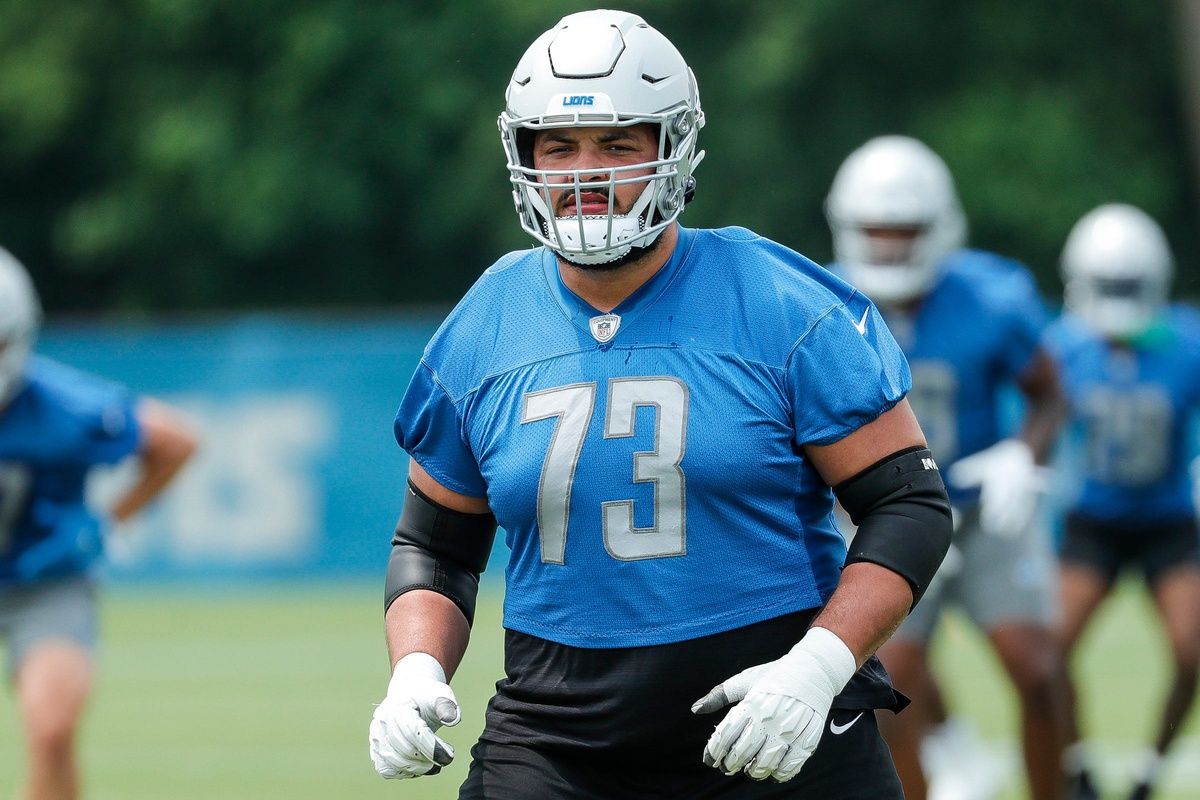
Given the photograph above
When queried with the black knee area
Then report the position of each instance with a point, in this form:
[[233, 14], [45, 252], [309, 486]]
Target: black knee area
[[439, 549], [903, 516]]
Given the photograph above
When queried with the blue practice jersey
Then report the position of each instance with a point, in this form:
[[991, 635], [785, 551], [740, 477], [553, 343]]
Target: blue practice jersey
[[653, 487], [1131, 406], [61, 424], [976, 330]]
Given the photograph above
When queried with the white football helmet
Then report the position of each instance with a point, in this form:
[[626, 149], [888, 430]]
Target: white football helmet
[[894, 182], [1117, 268], [602, 68], [20, 316]]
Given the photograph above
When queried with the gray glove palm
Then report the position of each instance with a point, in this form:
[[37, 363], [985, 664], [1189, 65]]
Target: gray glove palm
[[780, 710]]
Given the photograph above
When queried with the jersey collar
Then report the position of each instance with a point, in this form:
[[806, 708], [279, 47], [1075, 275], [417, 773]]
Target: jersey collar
[[581, 312]]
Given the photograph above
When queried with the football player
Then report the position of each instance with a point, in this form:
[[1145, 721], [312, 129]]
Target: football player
[[655, 416], [970, 323], [55, 425], [1131, 366]]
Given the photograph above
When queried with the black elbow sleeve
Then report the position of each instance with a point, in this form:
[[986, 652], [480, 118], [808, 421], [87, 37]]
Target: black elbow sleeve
[[439, 549], [903, 516]]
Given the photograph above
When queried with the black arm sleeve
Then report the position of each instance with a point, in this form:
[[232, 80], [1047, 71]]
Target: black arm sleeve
[[439, 549], [903, 516]]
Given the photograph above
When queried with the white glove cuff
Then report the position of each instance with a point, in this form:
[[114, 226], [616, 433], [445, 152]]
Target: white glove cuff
[[417, 665], [831, 653]]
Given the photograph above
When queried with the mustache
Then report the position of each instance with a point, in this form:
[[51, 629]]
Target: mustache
[[585, 195]]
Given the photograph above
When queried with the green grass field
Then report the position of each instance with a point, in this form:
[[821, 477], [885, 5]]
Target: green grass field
[[225, 696]]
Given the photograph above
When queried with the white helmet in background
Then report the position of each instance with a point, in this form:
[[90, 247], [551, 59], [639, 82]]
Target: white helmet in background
[[1116, 268], [894, 183], [602, 68], [20, 316]]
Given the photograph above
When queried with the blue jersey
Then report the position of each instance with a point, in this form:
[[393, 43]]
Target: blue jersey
[[1131, 407], [60, 425], [650, 477], [976, 330]]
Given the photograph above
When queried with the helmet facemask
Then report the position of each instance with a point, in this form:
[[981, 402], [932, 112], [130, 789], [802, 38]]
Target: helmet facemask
[[14, 353], [595, 239], [893, 269], [1116, 307]]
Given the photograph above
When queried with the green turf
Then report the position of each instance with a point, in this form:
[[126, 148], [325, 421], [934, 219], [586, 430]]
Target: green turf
[[1121, 672], [268, 694], [264, 695]]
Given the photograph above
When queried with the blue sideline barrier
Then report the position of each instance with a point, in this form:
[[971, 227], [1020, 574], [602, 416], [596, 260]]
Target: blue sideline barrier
[[298, 473]]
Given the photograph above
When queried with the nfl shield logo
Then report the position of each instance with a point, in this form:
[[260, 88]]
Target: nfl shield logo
[[604, 327]]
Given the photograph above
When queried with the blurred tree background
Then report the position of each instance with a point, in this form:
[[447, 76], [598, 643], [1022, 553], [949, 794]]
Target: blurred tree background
[[184, 154]]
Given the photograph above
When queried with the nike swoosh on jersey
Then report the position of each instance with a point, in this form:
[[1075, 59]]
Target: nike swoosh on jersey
[[838, 730], [861, 325]]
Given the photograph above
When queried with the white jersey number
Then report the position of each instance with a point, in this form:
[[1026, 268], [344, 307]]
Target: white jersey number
[[1128, 435], [15, 480], [934, 400], [573, 406]]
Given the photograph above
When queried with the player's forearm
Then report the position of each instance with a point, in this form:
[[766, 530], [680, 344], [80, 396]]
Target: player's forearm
[[869, 604], [167, 446], [155, 476], [422, 621], [1040, 429], [1046, 407]]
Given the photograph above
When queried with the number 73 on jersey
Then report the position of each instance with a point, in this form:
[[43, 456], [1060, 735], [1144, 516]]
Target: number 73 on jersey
[[572, 408]]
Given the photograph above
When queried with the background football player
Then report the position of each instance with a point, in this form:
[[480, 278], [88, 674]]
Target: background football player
[[55, 425], [1131, 367], [969, 323]]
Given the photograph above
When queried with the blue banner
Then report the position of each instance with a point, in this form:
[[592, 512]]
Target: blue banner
[[297, 471]]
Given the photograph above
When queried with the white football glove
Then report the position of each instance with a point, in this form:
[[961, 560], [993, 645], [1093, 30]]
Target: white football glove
[[1009, 483], [783, 705], [418, 702]]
